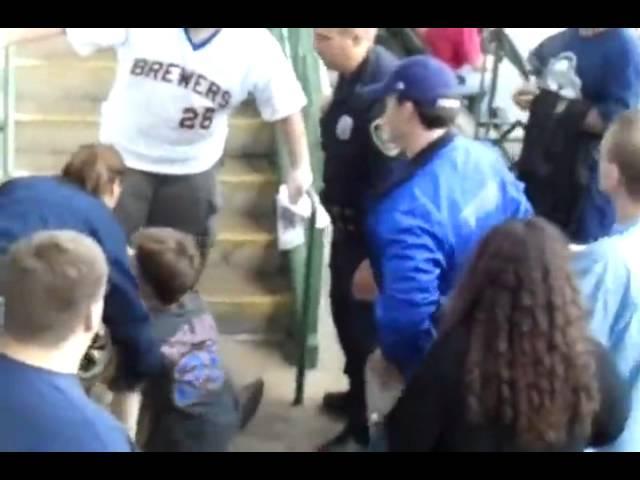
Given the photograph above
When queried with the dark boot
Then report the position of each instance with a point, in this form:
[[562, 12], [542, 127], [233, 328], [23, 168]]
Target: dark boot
[[338, 404], [351, 438], [249, 399]]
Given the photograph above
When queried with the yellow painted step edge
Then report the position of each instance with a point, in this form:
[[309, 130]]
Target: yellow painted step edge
[[257, 300], [243, 237]]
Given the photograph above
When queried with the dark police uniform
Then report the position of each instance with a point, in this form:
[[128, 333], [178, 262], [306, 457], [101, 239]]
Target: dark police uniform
[[353, 164]]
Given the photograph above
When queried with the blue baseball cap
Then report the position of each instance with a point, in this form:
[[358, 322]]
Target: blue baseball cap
[[422, 79]]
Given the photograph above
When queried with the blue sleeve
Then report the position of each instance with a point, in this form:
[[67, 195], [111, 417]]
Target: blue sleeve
[[129, 324], [125, 316], [546, 50], [621, 88], [410, 267]]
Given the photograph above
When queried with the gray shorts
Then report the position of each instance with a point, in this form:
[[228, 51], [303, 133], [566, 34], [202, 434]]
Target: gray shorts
[[185, 202]]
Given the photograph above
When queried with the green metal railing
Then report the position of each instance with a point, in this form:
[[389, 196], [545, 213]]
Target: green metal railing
[[7, 123], [306, 262]]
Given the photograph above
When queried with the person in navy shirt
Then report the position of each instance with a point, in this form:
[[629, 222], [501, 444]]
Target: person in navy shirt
[[55, 286], [607, 65], [82, 200]]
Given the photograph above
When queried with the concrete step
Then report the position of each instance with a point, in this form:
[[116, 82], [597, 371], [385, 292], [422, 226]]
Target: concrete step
[[56, 50], [70, 87], [61, 134], [246, 245], [246, 303]]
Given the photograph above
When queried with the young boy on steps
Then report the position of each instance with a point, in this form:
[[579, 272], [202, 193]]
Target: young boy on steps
[[194, 407]]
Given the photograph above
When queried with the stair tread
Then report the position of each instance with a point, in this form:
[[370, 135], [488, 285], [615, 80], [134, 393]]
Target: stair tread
[[226, 285], [57, 49], [236, 228], [247, 170]]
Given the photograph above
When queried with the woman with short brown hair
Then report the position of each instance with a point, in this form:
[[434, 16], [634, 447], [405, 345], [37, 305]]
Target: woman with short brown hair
[[515, 368], [82, 200]]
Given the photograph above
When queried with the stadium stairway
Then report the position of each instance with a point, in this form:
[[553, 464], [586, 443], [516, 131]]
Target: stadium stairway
[[58, 96]]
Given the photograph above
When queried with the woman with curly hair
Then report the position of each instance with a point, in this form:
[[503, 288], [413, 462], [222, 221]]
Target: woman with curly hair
[[515, 368]]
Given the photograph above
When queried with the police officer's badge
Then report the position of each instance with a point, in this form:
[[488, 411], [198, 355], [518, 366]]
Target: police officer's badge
[[380, 137], [344, 127]]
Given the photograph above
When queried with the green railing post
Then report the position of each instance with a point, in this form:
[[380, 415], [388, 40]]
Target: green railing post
[[8, 107], [306, 261]]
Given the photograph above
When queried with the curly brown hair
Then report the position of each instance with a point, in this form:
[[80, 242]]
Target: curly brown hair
[[531, 365]]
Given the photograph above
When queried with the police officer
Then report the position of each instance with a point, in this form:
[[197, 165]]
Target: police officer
[[352, 165], [425, 222]]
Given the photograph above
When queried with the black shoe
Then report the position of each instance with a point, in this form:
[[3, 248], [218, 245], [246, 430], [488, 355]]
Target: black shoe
[[337, 404], [249, 399], [347, 440]]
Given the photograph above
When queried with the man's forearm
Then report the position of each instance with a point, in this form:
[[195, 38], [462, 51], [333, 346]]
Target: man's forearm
[[12, 36], [295, 137]]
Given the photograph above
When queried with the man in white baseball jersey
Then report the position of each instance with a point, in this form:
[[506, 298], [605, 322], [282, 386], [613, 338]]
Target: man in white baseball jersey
[[168, 113]]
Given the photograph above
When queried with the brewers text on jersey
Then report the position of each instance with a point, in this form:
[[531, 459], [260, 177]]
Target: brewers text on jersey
[[189, 79]]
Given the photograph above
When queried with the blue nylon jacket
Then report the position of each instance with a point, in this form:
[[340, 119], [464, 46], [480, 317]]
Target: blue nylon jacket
[[423, 226], [31, 204]]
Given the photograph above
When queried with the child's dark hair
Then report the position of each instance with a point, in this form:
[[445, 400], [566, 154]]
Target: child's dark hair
[[169, 262], [95, 168]]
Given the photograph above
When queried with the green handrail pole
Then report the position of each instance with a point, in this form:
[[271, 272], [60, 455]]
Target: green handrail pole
[[301, 366], [8, 100], [305, 261]]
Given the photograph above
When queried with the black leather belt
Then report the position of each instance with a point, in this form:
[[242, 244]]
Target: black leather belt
[[346, 221]]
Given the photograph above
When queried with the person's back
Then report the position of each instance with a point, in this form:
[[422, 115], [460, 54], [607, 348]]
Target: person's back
[[608, 271], [194, 406], [54, 289], [465, 188], [58, 204], [46, 411], [609, 278]]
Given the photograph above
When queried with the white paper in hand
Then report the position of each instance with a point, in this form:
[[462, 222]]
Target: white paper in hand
[[291, 219]]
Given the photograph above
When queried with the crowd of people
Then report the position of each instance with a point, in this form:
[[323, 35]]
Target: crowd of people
[[476, 311]]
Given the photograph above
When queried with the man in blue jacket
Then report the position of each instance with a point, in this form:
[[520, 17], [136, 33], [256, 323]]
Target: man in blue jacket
[[425, 222]]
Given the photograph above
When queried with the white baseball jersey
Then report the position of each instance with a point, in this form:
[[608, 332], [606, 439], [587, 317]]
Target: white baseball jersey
[[168, 110]]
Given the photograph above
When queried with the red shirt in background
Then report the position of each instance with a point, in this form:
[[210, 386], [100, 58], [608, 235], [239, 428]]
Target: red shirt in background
[[456, 47]]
